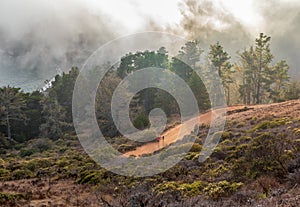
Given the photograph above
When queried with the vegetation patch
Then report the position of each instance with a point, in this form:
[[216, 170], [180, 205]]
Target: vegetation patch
[[9, 199], [221, 189]]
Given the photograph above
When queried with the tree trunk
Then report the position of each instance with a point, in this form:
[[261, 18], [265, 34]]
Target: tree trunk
[[228, 96], [258, 93], [258, 78], [8, 127]]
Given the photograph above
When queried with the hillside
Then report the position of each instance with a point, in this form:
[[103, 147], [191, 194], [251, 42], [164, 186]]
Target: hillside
[[256, 164]]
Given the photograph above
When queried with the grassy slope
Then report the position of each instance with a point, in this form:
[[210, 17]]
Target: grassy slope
[[257, 162]]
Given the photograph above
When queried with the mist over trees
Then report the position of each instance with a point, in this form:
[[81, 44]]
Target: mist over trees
[[253, 79]]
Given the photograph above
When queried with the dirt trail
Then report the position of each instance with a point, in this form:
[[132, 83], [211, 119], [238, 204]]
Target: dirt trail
[[171, 135], [234, 113]]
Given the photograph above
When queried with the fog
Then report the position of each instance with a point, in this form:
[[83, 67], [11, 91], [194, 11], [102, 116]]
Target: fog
[[210, 21], [40, 38]]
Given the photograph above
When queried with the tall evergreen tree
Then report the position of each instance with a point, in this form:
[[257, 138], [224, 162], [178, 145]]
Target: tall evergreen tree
[[12, 105], [263, 58], [248, 87], [281, 78], [221, 61], [187, 59], [257, 71]]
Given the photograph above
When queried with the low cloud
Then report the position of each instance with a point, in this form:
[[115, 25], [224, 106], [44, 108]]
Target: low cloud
[[40, 37]]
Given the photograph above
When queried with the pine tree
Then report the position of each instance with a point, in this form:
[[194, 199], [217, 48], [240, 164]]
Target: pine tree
[[281, 78], [221, 61], [257, 72], [263, 58], [12, 105]]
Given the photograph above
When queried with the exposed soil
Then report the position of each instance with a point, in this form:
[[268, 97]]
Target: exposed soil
[[172, 135]]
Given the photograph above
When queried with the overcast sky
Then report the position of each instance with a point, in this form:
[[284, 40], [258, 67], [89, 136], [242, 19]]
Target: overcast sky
[[40, 37]]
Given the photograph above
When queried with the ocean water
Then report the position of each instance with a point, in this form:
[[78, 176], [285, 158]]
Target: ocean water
[[26, 80]]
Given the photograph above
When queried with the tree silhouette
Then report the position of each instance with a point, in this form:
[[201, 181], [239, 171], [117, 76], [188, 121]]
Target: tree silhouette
[[12, 104]]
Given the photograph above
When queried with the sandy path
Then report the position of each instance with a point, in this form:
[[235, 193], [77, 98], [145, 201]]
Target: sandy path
[[171, 135]]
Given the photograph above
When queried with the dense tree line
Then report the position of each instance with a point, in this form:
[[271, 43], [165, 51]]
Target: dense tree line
[[49, 113]]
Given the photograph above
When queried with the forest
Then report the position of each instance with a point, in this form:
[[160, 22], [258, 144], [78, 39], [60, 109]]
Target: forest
[[253, 79]]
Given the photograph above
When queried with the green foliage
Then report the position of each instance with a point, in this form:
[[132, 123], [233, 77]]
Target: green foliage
[[192, 189], [296, 131], [28, 152], [94, 177], [188, 189], [103, 102], [281, 78], [4, 174], [292, 91], [220, 189], [262, 82], [212, 190], [218, 171], [226, 135], [167, 186], [267, 124], [9, 199], [192, 156], [12, 105], [221, 61], [36, 146], [19, 174], [185, 65], [141, 122], [2, 162], [196, 148], [267, 154], [36, 164]]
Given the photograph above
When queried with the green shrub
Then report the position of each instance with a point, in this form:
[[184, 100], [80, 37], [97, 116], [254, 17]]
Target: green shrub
[[225, 136], [9, 199], [19, 146], [238, 152], [296, 131], [141, 122], [22, 174], [192, 156], [220, 170], [167, 186], [196, 148], [36, 164], [244, 139], [43, 145], [270, 124], [192, 189], [4, 174], [188, 189], [267, 154], [221, 189], [94, 177], [63, 161], [28, 152], [219, 153], [2, 162]]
